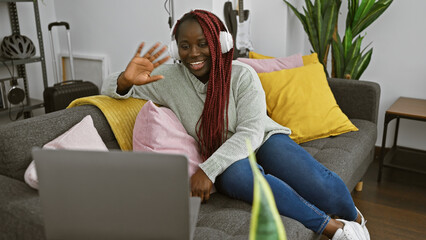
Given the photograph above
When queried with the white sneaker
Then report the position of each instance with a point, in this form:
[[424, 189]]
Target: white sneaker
[[363, 222], [351, 231]]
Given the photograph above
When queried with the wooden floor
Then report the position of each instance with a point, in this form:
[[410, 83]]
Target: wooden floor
[[395, 208]]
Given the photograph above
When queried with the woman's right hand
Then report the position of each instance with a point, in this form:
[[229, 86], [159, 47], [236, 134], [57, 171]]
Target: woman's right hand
[[138, 71]]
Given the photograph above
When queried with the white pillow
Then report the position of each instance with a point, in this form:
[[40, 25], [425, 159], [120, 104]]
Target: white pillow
[[82, 136]]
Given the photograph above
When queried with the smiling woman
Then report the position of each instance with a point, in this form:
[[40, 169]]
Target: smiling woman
[[221, 104], [198, 35]]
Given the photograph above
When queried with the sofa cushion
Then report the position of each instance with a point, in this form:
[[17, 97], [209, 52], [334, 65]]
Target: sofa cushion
[[275, 64], [20, 211], [301, 99], [157, 129], [226, 218], [82, 136], [345, 153], [307, 59]]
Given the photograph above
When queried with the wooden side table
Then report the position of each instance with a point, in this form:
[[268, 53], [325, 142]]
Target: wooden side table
[[408, 108]]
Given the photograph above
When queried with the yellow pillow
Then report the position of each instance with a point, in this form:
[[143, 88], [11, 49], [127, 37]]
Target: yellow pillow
[[301, 100], [258, 56], [310, 59], [307, 59]]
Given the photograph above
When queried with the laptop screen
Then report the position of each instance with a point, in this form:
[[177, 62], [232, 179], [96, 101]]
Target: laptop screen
[[113, 195]]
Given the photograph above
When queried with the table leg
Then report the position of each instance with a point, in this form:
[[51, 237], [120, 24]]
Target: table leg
[[388, 118], [396, 133]]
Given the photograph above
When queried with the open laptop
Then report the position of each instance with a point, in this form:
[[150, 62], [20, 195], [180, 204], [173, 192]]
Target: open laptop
[[115, 195]]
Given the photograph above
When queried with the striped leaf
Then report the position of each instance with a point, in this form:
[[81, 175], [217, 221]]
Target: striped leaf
[[362, 65], [312, 25], [318, 19], [298, 14], [376, 11], [350, 67], [352, 7], [347, 42], [330, 20], [363, 10], [312, 33], [265, 222], [339, 63], [353, 52]]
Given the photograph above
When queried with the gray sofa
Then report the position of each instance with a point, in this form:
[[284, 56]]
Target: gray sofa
[[349, 155]]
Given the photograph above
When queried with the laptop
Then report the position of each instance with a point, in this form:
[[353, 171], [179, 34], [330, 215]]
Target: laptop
[[115, 195]]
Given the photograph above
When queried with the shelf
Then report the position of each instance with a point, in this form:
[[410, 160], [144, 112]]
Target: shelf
[[20, 61], [398, 157], [16, 0], [20, 64], [35, 104], [8, 79], [407, 159]]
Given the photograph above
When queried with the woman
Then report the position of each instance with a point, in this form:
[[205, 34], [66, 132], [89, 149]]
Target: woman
[[221, 104]]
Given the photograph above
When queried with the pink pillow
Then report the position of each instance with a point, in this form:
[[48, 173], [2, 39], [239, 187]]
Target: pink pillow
[[157, 129], [82, 136], [274, 64]]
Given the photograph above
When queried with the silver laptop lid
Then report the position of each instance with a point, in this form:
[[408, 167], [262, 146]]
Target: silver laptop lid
[[113, 195]]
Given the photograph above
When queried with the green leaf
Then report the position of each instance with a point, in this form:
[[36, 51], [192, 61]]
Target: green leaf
[[363, 64], [353, 52], [311, 18], [375, 12], [325, 5], [298, 14], [265, 220], [304, 20], [327, 27], [360, 9], [352, 5], [347, 42], [337, 52], [312, 33], [350, 68], [363, 10], [310, 12], [318, 19]]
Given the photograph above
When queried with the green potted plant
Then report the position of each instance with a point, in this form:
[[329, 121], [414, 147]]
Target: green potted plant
[[320, 18]]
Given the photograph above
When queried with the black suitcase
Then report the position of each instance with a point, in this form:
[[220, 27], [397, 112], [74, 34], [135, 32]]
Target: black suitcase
[[61, 94]]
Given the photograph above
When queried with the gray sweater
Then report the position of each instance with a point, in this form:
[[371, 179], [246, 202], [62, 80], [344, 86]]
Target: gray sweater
[[184, 94]]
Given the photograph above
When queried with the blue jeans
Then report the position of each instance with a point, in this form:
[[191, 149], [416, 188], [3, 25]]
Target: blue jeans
[[303, 188]]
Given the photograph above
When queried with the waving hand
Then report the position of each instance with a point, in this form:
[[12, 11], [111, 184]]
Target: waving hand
[[139, 69]]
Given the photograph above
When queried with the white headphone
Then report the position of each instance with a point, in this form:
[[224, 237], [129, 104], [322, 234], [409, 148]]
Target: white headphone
[[225, 38]]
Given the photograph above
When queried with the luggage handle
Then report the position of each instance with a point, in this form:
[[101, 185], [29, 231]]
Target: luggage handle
[[57, 24], [67, 82], [67, 26]]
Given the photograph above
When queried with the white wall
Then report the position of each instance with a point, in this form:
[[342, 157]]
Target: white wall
[[114, 29]]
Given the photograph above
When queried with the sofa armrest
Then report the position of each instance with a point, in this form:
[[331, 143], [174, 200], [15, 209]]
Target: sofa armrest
[[357, 99]]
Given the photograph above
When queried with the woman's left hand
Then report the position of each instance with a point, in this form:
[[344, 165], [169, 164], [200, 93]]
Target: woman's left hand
[[201, 185]]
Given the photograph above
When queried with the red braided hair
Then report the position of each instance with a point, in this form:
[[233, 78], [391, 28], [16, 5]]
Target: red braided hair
[[212, 127]]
